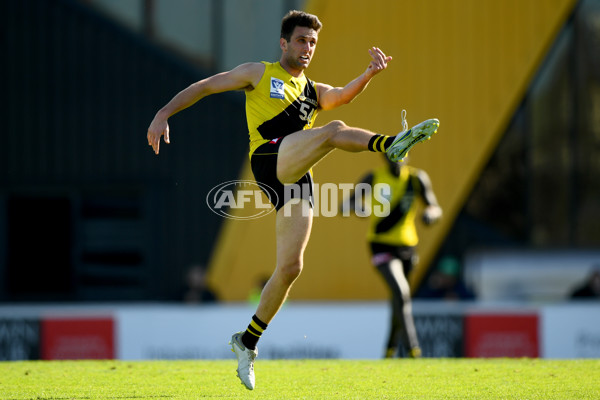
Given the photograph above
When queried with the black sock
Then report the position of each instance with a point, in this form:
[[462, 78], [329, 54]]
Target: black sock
[[253, 332], [380, 143]]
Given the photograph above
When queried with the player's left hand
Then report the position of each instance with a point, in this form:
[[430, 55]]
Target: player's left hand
[[378, 63]]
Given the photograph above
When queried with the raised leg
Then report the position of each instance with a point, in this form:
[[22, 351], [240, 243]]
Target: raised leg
[[301, 150]]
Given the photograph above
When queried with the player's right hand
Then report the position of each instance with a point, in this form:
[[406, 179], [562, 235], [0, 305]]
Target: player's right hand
[[158, 128]]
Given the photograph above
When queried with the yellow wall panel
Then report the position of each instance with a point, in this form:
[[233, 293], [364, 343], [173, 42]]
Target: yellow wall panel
[[465, 62]]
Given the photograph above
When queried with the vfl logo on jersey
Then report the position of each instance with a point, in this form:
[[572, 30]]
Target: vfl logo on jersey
[[277, 88]]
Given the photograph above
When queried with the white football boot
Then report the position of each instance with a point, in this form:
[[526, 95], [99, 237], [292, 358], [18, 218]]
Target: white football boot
[[245, 370], [406, 139]]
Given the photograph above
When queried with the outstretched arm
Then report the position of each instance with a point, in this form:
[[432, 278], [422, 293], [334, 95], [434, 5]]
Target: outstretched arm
[[245, 76], [433, 211], [332, 97]]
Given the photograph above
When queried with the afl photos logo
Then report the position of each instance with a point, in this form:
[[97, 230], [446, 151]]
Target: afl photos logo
[[241, 199]]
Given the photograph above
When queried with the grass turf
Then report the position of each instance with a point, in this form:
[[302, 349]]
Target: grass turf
[[303, 379]]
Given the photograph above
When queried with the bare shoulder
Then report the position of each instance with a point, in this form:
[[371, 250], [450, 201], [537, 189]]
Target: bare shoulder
[[251, 72], [423, 177], [322, 87], [421, 173]]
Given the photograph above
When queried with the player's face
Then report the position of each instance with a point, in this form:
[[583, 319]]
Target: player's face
[[301, 47]]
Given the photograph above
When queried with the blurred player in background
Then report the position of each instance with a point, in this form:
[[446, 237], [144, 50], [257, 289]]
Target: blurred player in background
[[393, 239], [281, 107]]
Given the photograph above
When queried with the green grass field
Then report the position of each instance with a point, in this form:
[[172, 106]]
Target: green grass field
[[304, 379]]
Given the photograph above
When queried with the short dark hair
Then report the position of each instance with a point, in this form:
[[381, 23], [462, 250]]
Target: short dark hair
[[296, 18]]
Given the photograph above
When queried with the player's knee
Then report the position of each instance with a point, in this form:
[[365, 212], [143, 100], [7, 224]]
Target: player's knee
[[336, 126], [333, 129], [290, 271]]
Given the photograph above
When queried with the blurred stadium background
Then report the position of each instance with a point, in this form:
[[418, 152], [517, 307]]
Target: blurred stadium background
[[91, 221]]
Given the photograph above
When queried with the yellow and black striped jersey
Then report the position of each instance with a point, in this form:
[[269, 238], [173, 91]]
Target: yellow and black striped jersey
[[398, 228], [279, 105]]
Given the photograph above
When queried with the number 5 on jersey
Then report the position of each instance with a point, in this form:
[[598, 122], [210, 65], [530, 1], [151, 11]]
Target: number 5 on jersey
[[306, 116]]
